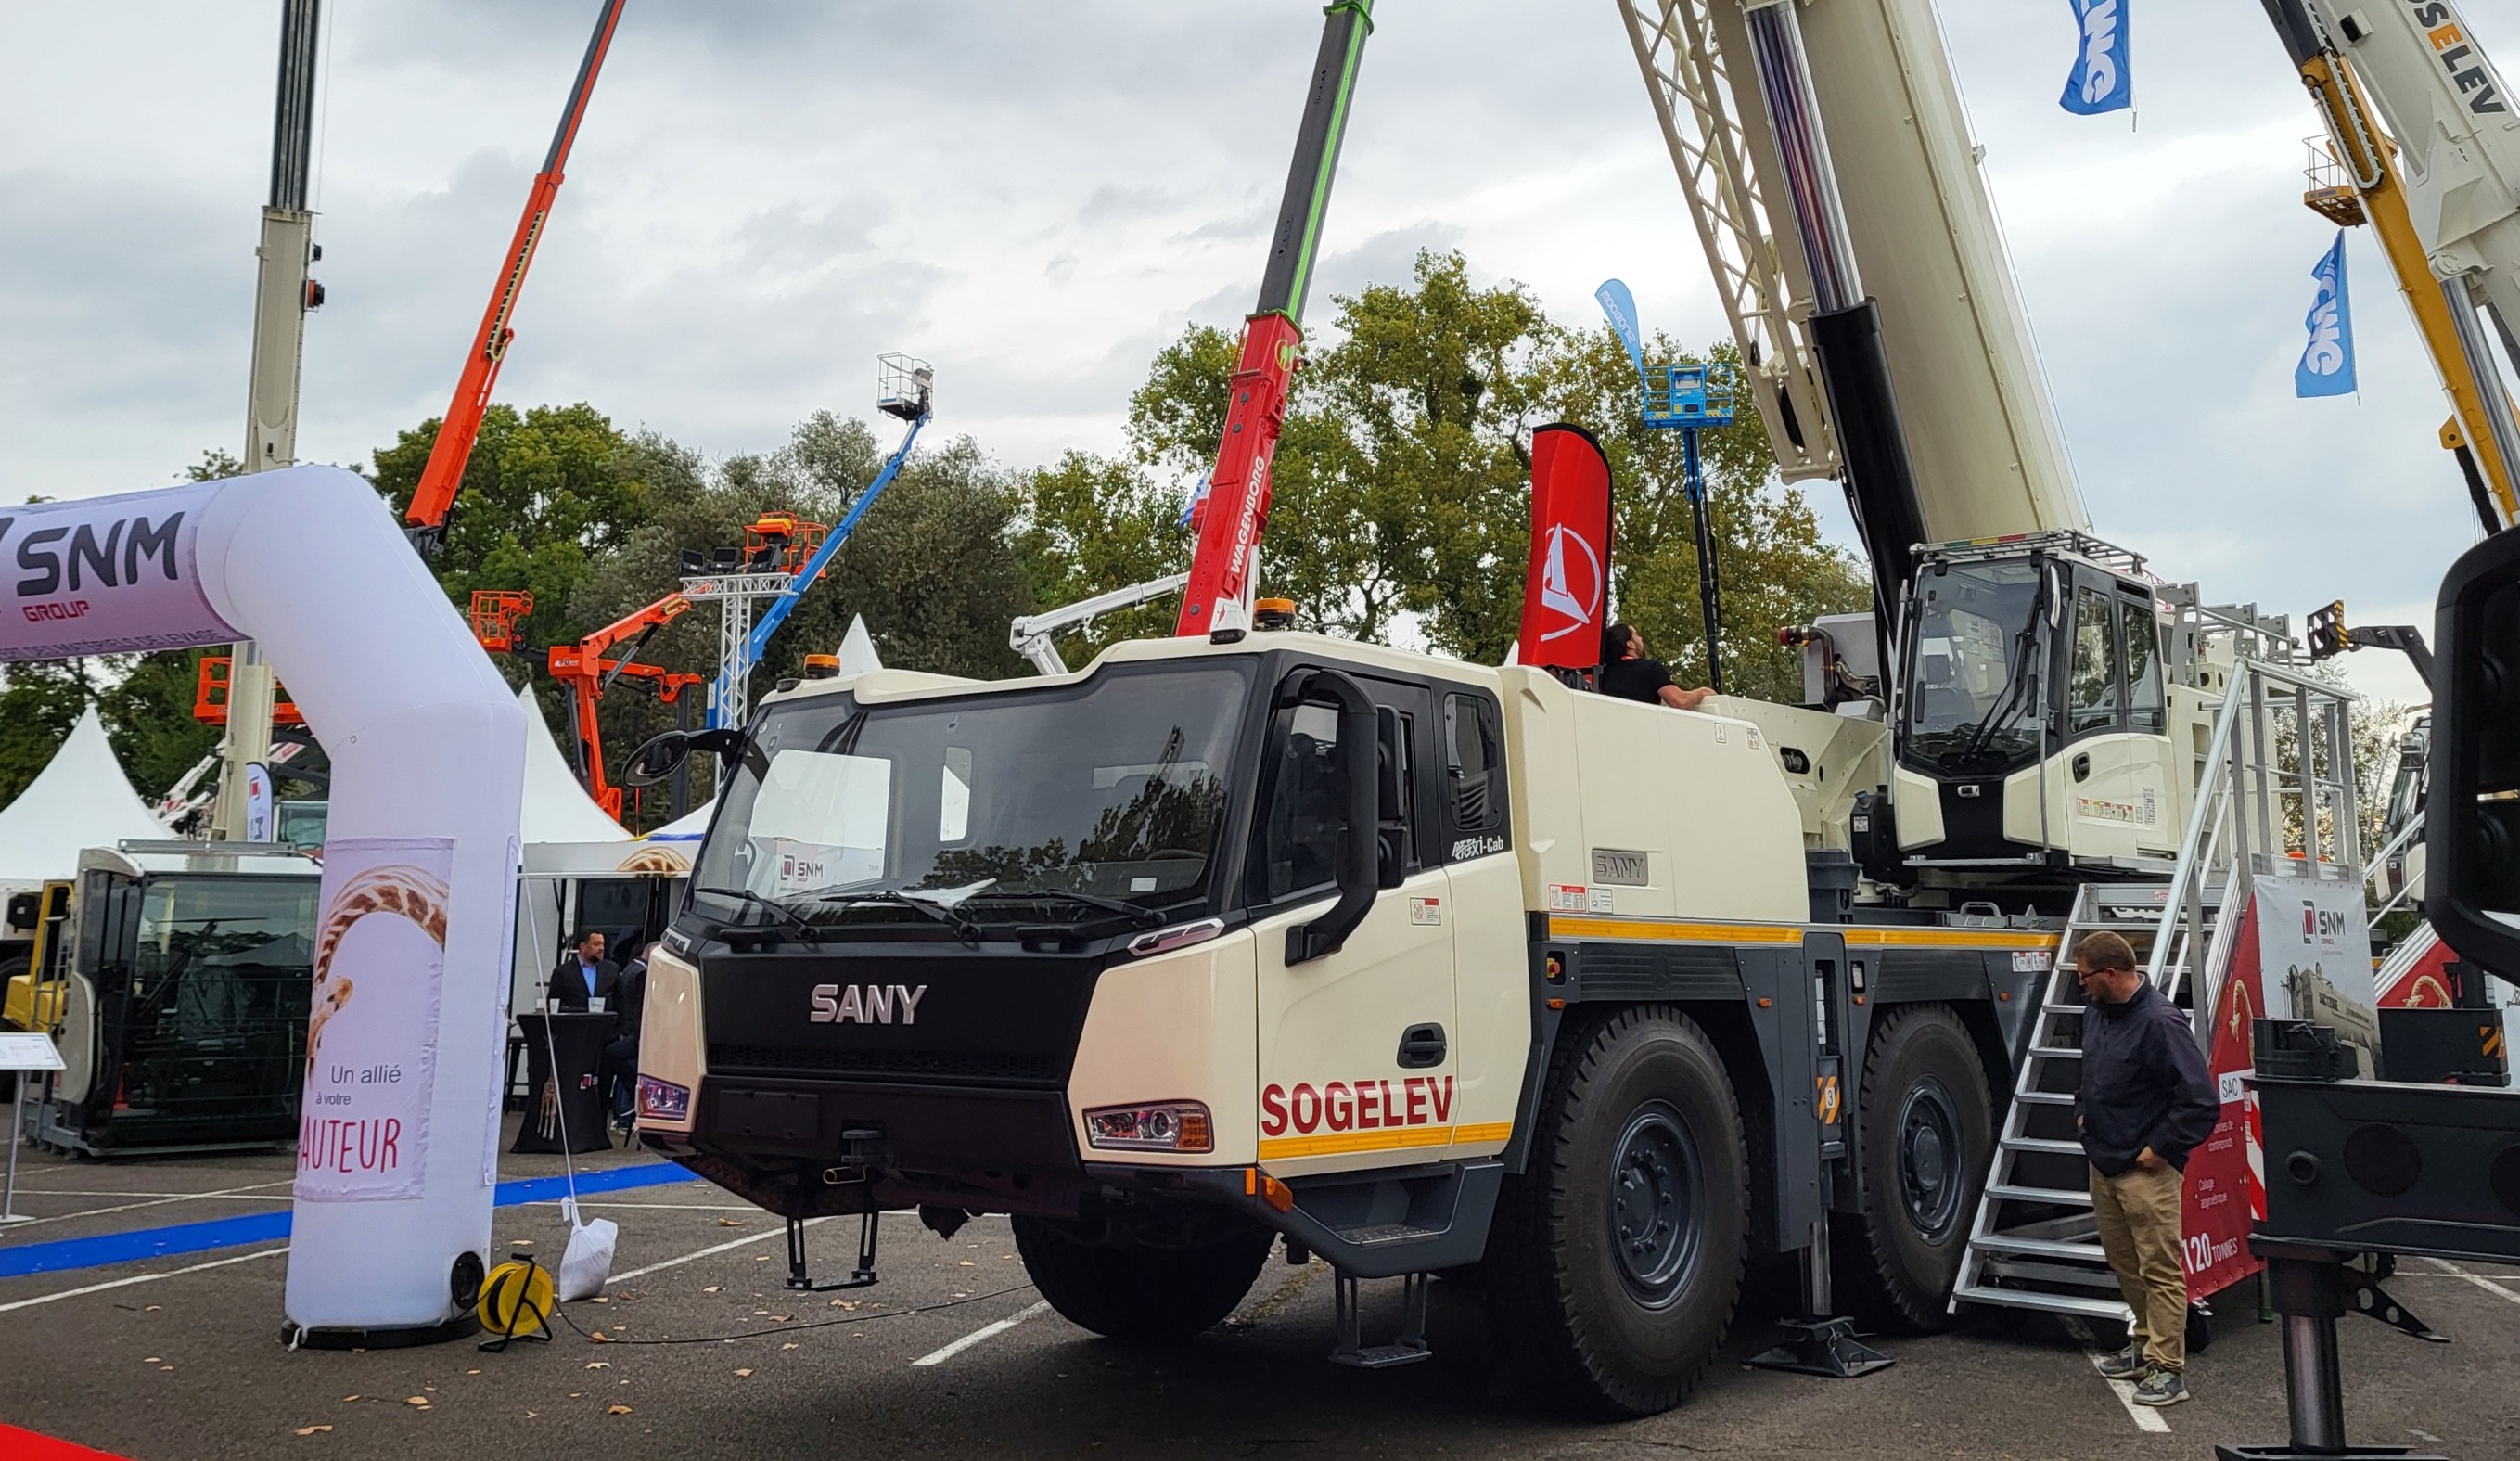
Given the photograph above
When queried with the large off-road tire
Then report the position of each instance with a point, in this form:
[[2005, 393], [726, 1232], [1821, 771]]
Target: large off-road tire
[[1927, 1129], [1139, 1292], [1616, 1256]]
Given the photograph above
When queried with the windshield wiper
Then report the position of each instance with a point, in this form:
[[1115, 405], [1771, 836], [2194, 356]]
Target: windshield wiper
[[1145, 918], [963, 927], [793, 918]]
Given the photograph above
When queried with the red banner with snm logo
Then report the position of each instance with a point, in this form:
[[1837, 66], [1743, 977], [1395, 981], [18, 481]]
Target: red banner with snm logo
[[1566, 589]]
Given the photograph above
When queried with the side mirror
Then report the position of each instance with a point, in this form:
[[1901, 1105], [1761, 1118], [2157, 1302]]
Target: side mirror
[[662, 755], [1360, 849], [2472, 811]]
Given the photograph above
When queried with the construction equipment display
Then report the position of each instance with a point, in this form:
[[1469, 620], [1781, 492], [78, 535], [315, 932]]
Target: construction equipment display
[[443, 477], [583, 669], [174, 979]]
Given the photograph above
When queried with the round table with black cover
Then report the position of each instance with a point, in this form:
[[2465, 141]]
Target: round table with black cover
[[574, 1103]]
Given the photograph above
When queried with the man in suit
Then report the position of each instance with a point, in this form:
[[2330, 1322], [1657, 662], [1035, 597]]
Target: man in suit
[[586, 972]]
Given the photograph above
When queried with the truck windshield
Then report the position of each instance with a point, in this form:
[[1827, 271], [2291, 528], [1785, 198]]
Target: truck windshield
[[1075, 797], [1973, 701]]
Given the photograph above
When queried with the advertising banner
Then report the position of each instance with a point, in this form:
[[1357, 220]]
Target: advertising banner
[[105, 575], [2326, 365], [371, 1033], [1566, 588], [2315, 960], [2103, 77], [2225, 1189]]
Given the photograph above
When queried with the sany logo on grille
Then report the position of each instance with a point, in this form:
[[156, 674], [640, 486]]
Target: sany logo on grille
[[866, 1004], [1366, 1106]]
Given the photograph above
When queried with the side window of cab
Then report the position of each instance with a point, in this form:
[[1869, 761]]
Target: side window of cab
[[1477, 818]]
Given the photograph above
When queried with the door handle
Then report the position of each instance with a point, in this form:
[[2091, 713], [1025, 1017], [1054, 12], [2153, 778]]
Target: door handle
[[1421, 1046], [2082, 766]]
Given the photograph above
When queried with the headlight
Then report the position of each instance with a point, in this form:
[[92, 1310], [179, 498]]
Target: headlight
[[663, 1101], [1157, 1127]]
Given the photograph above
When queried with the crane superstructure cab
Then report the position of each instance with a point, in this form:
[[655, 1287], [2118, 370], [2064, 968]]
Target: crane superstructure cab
[[2046, 688], [1395, 961]]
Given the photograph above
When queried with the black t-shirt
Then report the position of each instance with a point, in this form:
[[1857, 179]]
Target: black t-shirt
[[1635, 679]]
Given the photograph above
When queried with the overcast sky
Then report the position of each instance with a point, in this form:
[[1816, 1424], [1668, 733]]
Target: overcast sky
[[1037, 196]]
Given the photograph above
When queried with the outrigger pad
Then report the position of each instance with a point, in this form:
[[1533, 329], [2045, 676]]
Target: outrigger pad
[[2292, 1453], [1826, 1348]]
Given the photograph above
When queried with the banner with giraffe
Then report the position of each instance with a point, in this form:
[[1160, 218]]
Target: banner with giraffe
[[372, 1032]]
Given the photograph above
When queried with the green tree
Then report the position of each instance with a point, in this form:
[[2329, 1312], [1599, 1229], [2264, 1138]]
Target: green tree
[[39, 704], [546, 493], [1403, 485], [1093, 523]]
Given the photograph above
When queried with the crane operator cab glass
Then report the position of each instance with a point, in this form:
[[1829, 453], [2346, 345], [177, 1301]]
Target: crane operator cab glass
[[2033, 727]]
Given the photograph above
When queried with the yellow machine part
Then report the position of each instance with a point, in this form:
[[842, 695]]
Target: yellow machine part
[[33, 1006]]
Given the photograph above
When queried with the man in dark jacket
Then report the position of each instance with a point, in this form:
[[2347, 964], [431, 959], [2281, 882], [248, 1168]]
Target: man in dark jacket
[[1627, 674], [586, 973], [2147, 1102], [622, 1056]]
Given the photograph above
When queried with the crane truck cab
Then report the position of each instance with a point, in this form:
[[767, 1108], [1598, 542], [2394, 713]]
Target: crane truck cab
[[1411, 965], [2046, 686]]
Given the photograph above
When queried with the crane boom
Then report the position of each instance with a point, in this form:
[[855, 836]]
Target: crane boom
[[1828, 166], [1236, 509], [443, 476], [2442, 199]]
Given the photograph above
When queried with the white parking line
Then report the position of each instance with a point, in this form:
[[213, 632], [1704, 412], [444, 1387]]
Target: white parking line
[[139, 1278], [984, 1332], [2145, 1417], [777, 1232], [155, 1200], [2453, 1271]]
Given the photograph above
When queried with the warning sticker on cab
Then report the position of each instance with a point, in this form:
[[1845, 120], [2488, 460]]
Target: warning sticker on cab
[[1568, 898], [1426, 912]]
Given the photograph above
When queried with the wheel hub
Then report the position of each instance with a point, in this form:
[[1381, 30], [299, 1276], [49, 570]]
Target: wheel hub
[[1930, 1181], [1656, 1205]]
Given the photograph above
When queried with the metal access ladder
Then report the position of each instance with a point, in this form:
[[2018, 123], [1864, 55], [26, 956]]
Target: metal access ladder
[[2035, 1244], [2275, 794]]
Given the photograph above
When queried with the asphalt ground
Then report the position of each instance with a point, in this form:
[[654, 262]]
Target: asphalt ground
[[174, 1357]]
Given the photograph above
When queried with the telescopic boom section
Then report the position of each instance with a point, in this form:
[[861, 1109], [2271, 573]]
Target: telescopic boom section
[[443, 476], [1236, 509]]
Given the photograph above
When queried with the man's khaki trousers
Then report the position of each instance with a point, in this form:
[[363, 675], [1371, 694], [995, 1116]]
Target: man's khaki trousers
[[2139, 1215]]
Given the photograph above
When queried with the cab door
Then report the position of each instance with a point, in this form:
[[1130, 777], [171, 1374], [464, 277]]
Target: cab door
[[2149, 762], [1356, 1061]]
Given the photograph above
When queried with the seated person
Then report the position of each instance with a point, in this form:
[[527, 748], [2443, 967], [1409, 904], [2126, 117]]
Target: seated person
[[622, 1056], [1627, 674]]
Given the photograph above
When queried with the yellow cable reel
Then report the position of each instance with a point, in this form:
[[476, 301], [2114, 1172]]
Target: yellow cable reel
[[515, 1298]]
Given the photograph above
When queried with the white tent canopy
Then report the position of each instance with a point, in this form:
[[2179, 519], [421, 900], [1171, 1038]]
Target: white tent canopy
[[556, 809], [81, 800]]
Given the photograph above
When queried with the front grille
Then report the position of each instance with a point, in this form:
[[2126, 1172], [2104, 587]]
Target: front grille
[[892, 1064]]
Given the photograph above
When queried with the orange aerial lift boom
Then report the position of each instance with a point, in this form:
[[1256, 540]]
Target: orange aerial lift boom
[[584, 670], [443, 476]]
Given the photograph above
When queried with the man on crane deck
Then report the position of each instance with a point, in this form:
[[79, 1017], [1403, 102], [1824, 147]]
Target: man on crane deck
[[1627, 674]]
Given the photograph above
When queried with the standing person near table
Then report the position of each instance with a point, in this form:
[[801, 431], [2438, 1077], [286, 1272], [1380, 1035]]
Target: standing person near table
[[622, 1056], [2146, 1100], [1627, 674], [584, 973]]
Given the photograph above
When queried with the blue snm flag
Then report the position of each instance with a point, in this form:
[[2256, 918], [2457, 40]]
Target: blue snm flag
[[1621, 308], [2326, 365], [2104, 77]]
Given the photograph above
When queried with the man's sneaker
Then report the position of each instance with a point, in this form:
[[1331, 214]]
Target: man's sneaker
[[2126, 1364], [2161, 1388]]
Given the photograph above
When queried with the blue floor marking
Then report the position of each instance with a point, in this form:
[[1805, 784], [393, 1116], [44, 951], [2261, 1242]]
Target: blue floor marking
[[273, 1228]]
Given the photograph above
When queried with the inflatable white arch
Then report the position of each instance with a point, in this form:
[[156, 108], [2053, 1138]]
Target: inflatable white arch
[[399, 1132]]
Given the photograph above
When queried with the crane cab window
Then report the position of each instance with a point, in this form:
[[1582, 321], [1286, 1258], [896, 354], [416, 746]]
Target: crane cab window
[[2141, 631], [2096, 682], [1474, 778], [1303, 822]]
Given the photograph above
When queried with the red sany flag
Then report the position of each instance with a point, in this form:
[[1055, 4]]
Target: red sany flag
[[1566, 589]]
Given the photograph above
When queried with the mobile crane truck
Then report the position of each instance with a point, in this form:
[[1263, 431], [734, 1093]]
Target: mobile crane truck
[[1251, 937]]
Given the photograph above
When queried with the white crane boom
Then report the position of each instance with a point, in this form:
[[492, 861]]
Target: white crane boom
[[1824, 149]]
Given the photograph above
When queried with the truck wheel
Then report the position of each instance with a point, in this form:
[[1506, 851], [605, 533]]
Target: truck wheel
[[1139, 1292], [1616, 1256], [1925, 1129]]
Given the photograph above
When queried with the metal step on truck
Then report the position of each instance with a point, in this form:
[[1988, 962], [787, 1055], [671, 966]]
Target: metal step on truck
[[1415, 965]]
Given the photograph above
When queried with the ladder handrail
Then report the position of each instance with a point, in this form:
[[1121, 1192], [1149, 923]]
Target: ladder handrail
[[2186, 877]]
